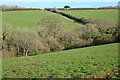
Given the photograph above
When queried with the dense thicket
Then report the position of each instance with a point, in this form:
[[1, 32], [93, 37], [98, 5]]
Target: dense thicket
[[51, 36]]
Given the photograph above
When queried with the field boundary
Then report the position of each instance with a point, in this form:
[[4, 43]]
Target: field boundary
[[78, 20]]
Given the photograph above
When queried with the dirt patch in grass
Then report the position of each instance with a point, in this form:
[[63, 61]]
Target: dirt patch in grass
[[108, 74], [14, 69]]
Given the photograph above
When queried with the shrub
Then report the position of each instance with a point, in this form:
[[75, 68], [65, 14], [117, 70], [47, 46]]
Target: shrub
[[87, 32], [50, 30], [109, 31], [114, 31], [6, 31], [70, 40], [25, 43], [85, 43], [105, 38], [106, 26], [98, 32], [52, 25], [86, 20], [53, 44], [117, 34]]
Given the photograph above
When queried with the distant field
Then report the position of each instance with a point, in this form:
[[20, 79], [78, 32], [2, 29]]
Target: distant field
[[29, 19], [83, 62], [94, 14]]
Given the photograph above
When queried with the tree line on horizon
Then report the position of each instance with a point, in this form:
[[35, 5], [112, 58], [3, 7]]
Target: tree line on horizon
[[66, 7]]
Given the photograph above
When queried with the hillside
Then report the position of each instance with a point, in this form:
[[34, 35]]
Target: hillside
[[30, 19], [94, 14], [96, 61]]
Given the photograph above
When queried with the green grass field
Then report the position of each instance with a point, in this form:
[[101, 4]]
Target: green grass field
[[95, 61], [30, 19], [94, 14], [82, 62]]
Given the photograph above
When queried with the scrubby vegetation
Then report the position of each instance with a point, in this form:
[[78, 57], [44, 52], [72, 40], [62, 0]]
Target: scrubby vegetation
[[51, 36]]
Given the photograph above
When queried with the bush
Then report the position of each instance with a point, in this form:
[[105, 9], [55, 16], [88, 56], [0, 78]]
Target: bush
[[106, 26], [70, 40], [99, 32], [117, 34], [87, 32], [85, 43], [25, 43], [86, 20], [53, 24], [105, 38], [6, 31], [50, 30], [53, 44]]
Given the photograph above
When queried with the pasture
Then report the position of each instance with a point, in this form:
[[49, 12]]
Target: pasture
[[95, 61], [29, 20], [94, 14]]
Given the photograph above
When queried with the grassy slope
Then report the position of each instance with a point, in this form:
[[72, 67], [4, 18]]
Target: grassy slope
[[76, 62], [94, 14], [29, 19]]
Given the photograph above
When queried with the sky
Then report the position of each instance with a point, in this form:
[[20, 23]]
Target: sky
[[59, 0], [72, 4]]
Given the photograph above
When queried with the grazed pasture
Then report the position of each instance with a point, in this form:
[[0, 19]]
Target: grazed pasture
[[30, 19], [95, 14], [94, 61]]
